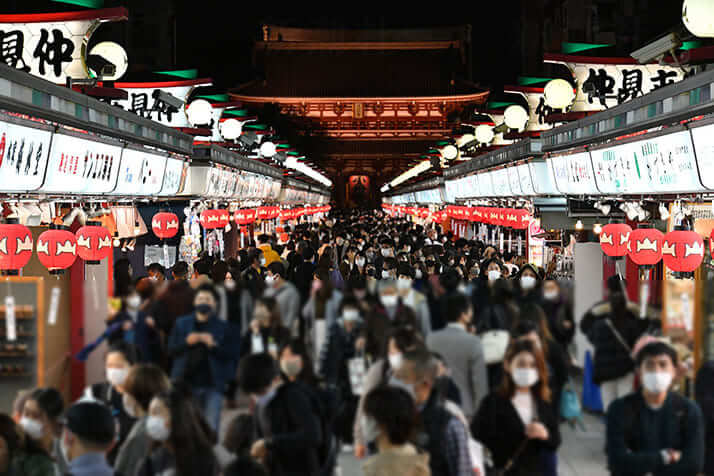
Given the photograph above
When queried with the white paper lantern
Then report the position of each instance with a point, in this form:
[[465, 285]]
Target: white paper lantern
[[698, 17], [464, 139], [231, 129], [199, 112], [115, 54], [291, 162], [515, 117], [484, 133], [558, 94], [267, 149], [450, 152]]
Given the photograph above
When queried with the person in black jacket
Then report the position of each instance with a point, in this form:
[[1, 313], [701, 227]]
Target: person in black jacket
[[288, 429], [516, 421], [613, 329], [559, 312], [704, 392]]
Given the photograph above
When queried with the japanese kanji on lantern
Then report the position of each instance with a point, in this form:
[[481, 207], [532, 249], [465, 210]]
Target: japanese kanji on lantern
[[644, 246], [57, 249], [15, 246], [682, 251], [94, 243], [213, 219], [614, 238], [165, 225]]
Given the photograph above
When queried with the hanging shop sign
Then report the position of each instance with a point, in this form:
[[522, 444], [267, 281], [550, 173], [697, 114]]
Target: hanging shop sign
[[514, 181], [80, 166], [664, 163], [573, 174], [559, 171], [23, 157], [703, 139], [174, 177], [542, 178], [485, 185], [605, 84], [52, 45], [525, 179], [212, 219], [140, 173]]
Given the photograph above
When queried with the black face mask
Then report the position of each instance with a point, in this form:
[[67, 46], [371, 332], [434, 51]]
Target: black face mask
[[205, 309]]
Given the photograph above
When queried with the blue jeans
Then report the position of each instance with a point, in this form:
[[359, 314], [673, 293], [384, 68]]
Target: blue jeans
[[210, 401]]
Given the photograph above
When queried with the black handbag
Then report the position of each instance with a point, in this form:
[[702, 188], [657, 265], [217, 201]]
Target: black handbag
[[509, 464]]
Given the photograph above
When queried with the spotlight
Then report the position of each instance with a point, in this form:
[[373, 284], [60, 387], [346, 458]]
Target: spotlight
[[268, 149], [579, 225], [663, 212], [597, 228], [603, 207]]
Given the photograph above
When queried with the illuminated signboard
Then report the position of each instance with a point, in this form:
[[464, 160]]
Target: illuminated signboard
[[524, 177], [500, 183], [174, 177], [542, 177], [23, 157], [140, 173], [514, 181], [559, 171], [485, 185], [574, 174], [703, 138]]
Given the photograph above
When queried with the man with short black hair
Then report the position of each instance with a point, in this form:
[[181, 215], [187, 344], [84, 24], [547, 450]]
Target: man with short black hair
[[87, 435], [655, 431], [412, 298], [285, 293], [156, 272], [462, 352], [180, 270]]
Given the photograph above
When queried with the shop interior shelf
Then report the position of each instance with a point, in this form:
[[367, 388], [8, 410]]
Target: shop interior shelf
[[15, 354]]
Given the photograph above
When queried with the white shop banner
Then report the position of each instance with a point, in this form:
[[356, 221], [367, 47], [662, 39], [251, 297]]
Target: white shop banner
[[23, 157]]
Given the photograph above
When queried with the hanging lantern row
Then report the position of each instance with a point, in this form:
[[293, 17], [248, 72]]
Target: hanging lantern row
[[681, 251], [516, 218], [165, 225]]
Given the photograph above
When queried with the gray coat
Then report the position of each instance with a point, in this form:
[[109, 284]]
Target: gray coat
[[135, 448], [463, 354]]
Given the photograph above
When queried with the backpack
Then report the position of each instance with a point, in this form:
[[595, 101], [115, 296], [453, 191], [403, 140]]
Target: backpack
[[632, 418]]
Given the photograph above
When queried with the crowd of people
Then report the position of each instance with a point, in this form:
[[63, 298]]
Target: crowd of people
[[421, 353]]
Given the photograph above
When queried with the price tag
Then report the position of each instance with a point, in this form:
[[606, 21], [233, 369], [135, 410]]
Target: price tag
[[54, 306], [11, 328]]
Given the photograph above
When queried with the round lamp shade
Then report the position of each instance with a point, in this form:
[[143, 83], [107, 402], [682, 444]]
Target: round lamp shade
[[115, 54], [15, 246], [682, 251], [515, 117], [645, 246], [231, 129], [450, 152], [165, 225], [268, 149], [214, 219], [465, 139], [57, 249], [614, 239], [484, 133], [558, 94], [94, 243], [698, 17], [199, 112]]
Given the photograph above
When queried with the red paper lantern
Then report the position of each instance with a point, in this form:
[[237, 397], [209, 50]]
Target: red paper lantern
[[213, 219], [523, 219], [244, 217], [645, 246], [165, 225], [15, 246], [263, 213], [614, 238], [683, 251], [94, 243], [493, 216], [57, 249]]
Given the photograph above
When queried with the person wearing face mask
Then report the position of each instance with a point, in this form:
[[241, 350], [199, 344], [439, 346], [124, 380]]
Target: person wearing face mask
[[285, 294], [389, 420], [266, 333], [183, 440], [360, 265], [655, 430], [203, 352], [704, 393], [412, 298], [288, 430], [400, 341], [462, 353], [40, 424], [144, 382], [270, 255], [516, 421], [156, 272], [391, 313], [613, 328], [559, 312], [118, 363], [528, 285], [88, 433]]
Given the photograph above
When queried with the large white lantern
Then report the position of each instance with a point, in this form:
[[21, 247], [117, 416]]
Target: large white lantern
[[698, 17], [291, 162], [515, 117], [115, 54], [450, 152], [199, 112], [484, 133], [268, 149], [558, 94], [464, 139], [231, 129]]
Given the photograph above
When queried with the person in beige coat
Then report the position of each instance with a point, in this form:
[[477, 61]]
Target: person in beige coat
[[389, 420]]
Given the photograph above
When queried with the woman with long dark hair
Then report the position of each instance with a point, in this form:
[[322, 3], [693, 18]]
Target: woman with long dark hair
[[266, 332], [20, 455], [183, 439], [41, 427], [516, 421]]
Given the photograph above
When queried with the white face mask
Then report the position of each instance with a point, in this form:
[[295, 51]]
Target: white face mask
[[262, 261], [656, 382], [550, 295], [359, 262], [270, 280], [494, 275], [418, 274], [156, 428], [395, 360], [370, 429], [128, 405], [386, 252], [385, 274], [350, 315], [133, 301], [524, 377], [404, 284], [528, 282], [117, 376], [32, 427], [230, 284], [389, 301]]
